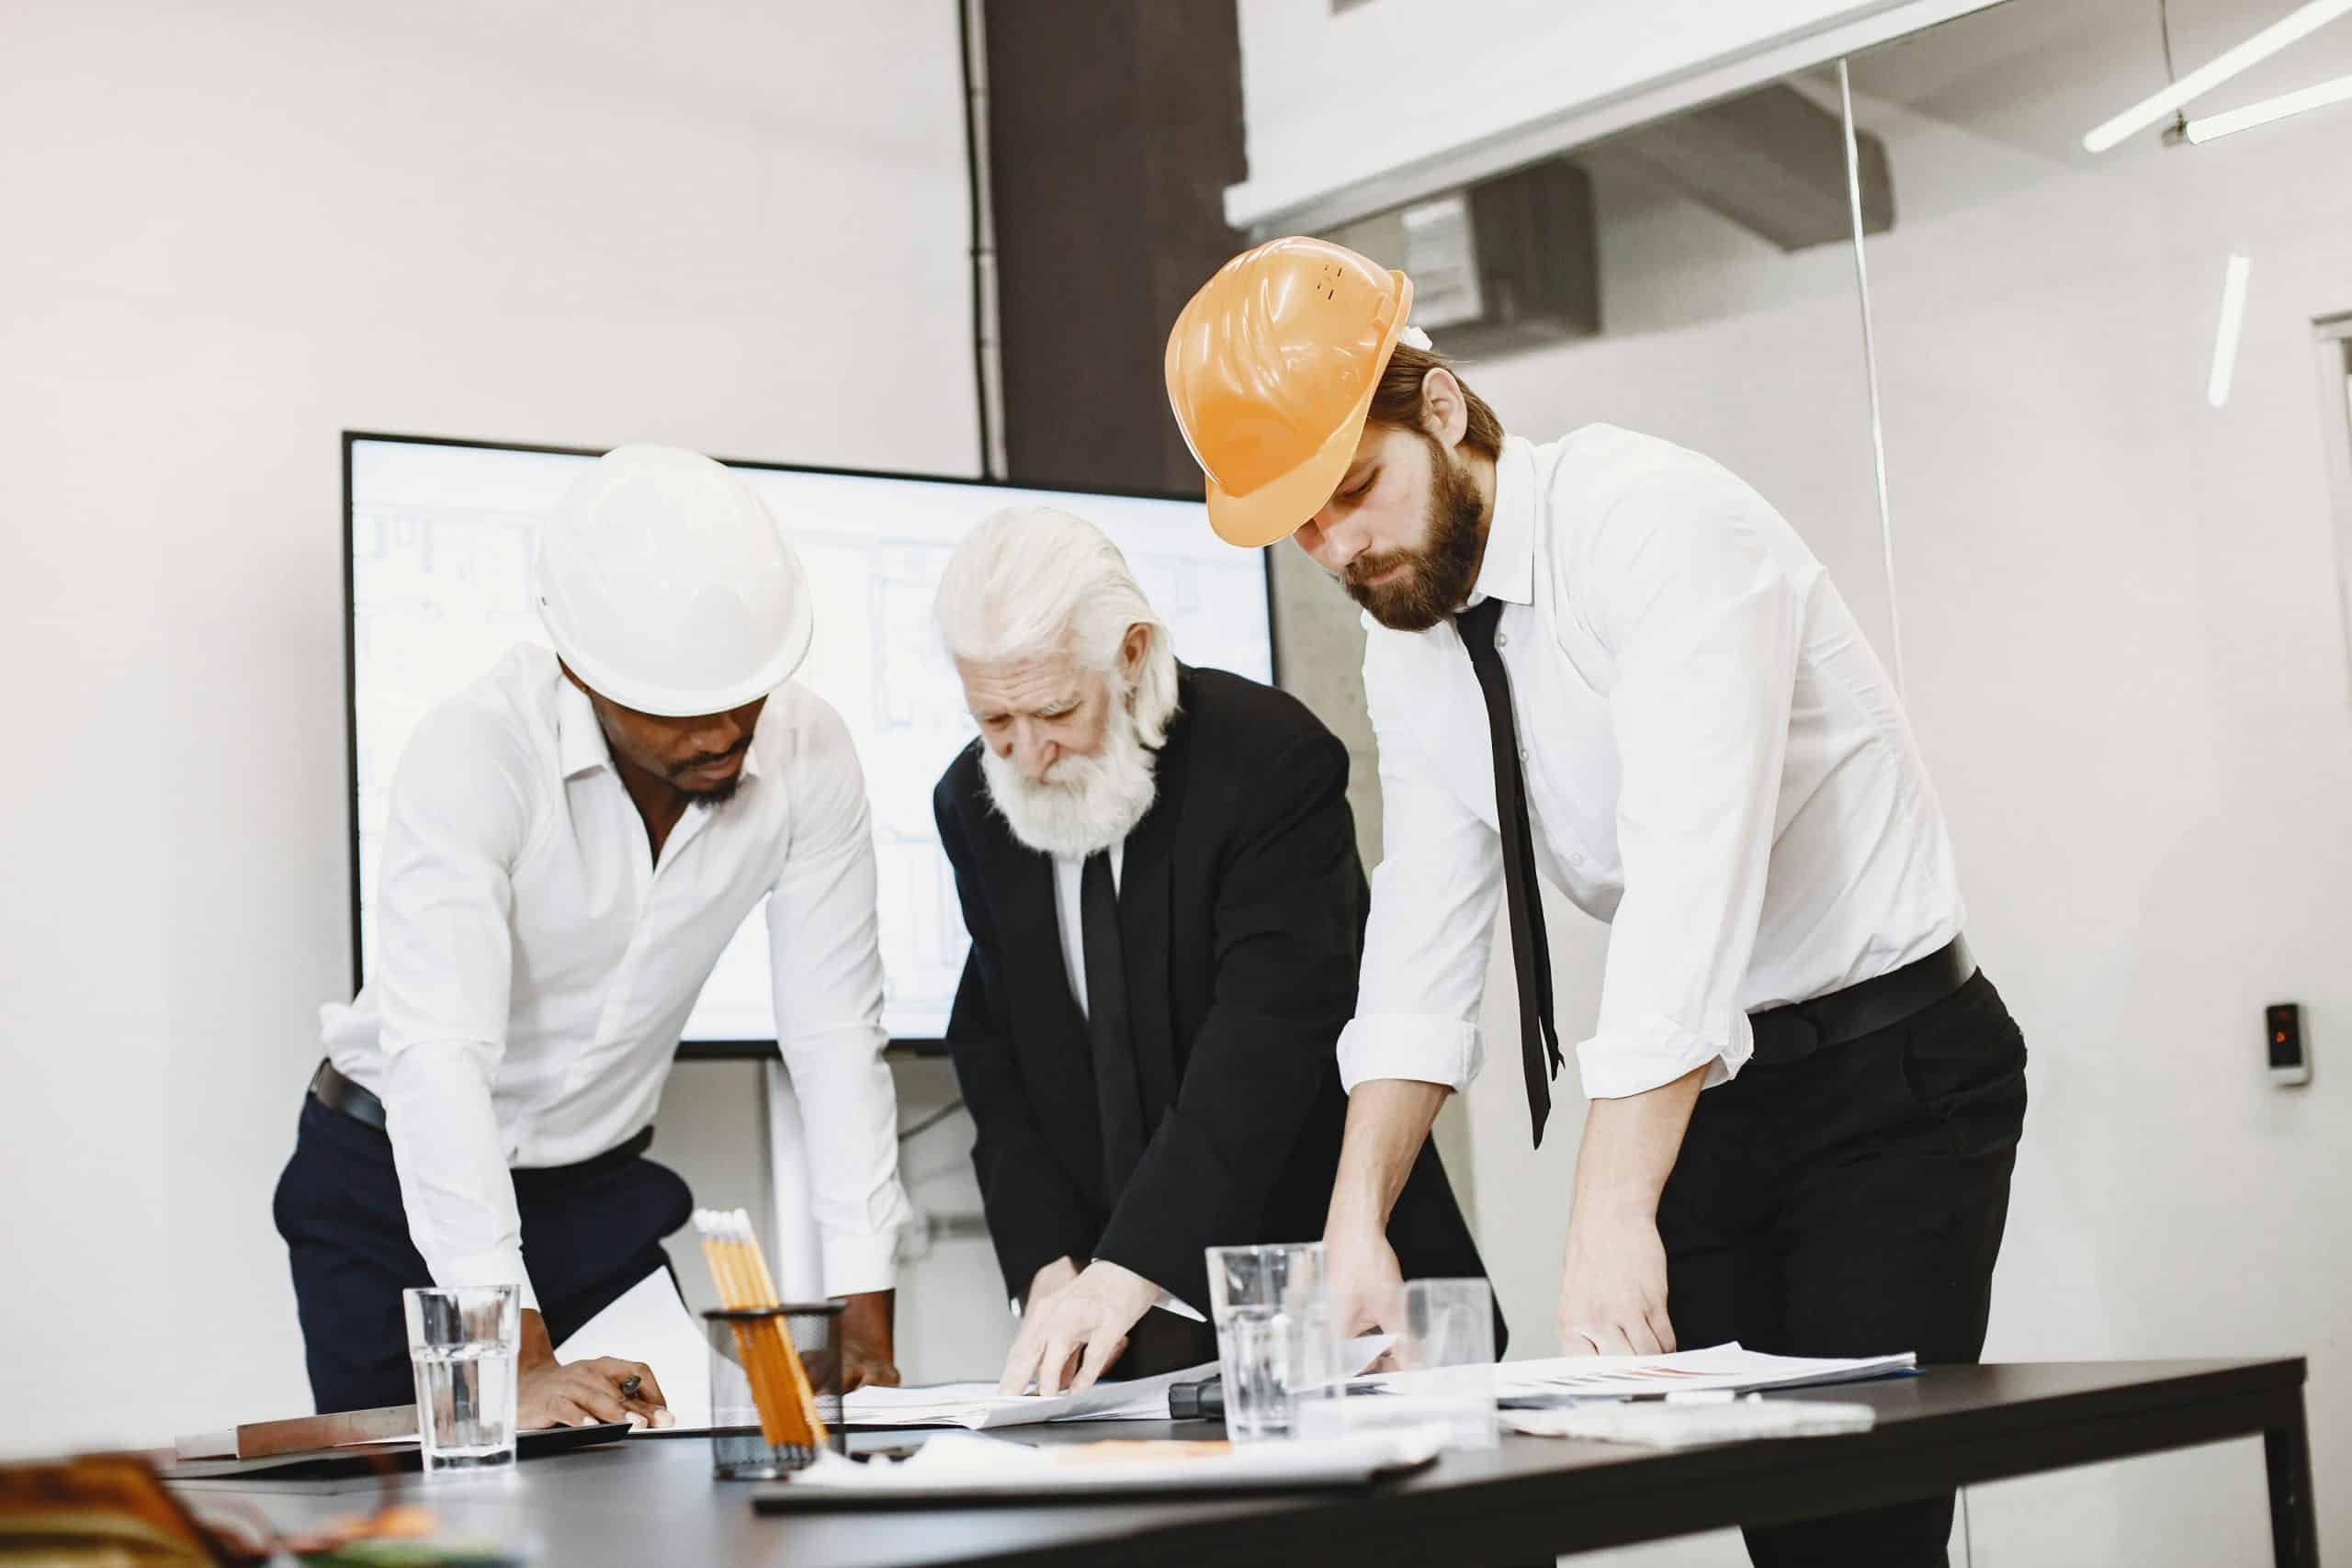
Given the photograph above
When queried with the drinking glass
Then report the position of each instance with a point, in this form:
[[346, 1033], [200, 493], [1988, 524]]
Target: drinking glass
[[462, 1342], [1273, 1334]]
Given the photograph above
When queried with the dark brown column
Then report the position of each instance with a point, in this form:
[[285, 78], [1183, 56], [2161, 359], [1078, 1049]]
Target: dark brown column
[[1113, 128]]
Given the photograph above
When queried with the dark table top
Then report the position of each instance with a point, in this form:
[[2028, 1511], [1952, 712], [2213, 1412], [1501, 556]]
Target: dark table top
[[654, 1500]]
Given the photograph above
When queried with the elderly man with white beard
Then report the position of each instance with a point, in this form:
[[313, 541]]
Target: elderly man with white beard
[[1158, 869]]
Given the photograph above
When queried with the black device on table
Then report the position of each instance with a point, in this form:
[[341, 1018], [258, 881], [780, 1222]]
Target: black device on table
[[1201, 1401]]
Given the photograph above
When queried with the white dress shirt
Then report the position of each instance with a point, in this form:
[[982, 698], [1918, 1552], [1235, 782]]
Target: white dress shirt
[[535, 965], [1716, 763]]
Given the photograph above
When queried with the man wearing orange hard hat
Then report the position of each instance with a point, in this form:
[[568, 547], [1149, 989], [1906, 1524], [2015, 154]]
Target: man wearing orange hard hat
[[1606, 663]]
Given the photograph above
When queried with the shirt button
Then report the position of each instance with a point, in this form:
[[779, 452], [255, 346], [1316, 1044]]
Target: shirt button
[[1502, 640]]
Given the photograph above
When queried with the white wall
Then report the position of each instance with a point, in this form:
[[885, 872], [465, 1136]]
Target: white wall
[[233, 230], [2127, 670]]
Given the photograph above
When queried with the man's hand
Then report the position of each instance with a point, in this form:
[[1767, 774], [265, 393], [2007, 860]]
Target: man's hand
[[1070, 1337], [1613, 1290], [867, 1353], [1367, 1289], [1388, 1121], [1048, 1283], [580, 1394]]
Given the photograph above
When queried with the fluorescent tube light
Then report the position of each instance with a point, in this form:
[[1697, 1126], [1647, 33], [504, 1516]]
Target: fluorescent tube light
[[2296, 24], [2226, 334], [2210, 126]]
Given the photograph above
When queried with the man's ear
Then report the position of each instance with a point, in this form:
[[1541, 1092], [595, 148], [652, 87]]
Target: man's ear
[[1445, 407], [1133, 648]]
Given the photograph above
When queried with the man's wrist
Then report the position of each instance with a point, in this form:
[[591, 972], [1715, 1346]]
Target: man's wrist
[[1628, 1152], [867, 1317], [1388, 1123], [1135, 1291], [1356, 1214], [533, 1347], [1062, 1270], [1616, 1206]]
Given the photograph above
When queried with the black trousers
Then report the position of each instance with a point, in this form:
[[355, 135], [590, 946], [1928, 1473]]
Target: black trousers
[[1850, 1203], [590, 1232]]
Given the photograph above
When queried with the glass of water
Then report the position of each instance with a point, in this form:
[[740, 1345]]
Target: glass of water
[[1445, 1358], [1273, 1335], [462, 1342]]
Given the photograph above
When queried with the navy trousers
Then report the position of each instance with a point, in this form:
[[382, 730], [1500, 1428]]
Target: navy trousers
[[590, 1232], [1850, 1203]]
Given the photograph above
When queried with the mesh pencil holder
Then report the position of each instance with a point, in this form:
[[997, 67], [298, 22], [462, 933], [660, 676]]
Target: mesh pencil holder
[[740, 1449]]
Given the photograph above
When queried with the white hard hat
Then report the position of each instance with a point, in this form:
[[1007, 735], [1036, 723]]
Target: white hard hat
[[668, 587]]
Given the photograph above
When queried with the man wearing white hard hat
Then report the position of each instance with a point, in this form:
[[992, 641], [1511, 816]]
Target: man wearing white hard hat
[[1605, 663], [570, 843]]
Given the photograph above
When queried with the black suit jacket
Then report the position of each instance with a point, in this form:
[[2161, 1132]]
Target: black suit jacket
[[1241, 909]]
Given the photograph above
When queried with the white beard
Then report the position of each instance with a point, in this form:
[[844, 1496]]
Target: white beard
[[1085, 803]]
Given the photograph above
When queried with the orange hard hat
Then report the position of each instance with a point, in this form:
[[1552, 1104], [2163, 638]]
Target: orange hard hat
[[1271, 370]]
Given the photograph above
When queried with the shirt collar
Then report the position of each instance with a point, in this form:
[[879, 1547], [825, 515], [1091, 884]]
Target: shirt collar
[[1507, 570], [580, 739], [580, 747]]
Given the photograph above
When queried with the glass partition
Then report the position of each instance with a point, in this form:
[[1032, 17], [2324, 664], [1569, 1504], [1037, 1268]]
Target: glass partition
[[2118, 471]]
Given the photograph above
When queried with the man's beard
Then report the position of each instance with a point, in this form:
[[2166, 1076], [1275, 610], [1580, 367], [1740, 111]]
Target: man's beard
[[1085, 803], [713, 796], [1438, 572]]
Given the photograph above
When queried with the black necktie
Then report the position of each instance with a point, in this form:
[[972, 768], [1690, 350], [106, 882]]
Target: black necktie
[[1116, 1098], [1538, 1039]]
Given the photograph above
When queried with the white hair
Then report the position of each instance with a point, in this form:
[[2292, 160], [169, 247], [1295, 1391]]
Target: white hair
[[1034, 580]]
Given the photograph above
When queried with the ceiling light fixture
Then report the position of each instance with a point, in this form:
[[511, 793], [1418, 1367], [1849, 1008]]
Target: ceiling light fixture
[[2207, 127], [2297, 24]]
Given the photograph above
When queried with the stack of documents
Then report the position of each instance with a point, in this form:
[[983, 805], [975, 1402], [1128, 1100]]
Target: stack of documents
[[976, 1406], [961, 1468], [1668, 1424], [1722, 1368], [649, 1324]]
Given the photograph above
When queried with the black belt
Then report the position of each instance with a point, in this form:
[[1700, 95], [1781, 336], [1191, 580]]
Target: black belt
[[1792, 1032], [339, 1093], [334, 1091]]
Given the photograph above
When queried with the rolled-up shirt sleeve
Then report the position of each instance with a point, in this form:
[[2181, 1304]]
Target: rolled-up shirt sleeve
[[1704, 622], [826, 960], [1433, 902], [459, 817]]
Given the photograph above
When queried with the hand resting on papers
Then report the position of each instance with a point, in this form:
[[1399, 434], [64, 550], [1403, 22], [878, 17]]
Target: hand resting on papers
[[549, 1392], [1072, 1332]]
